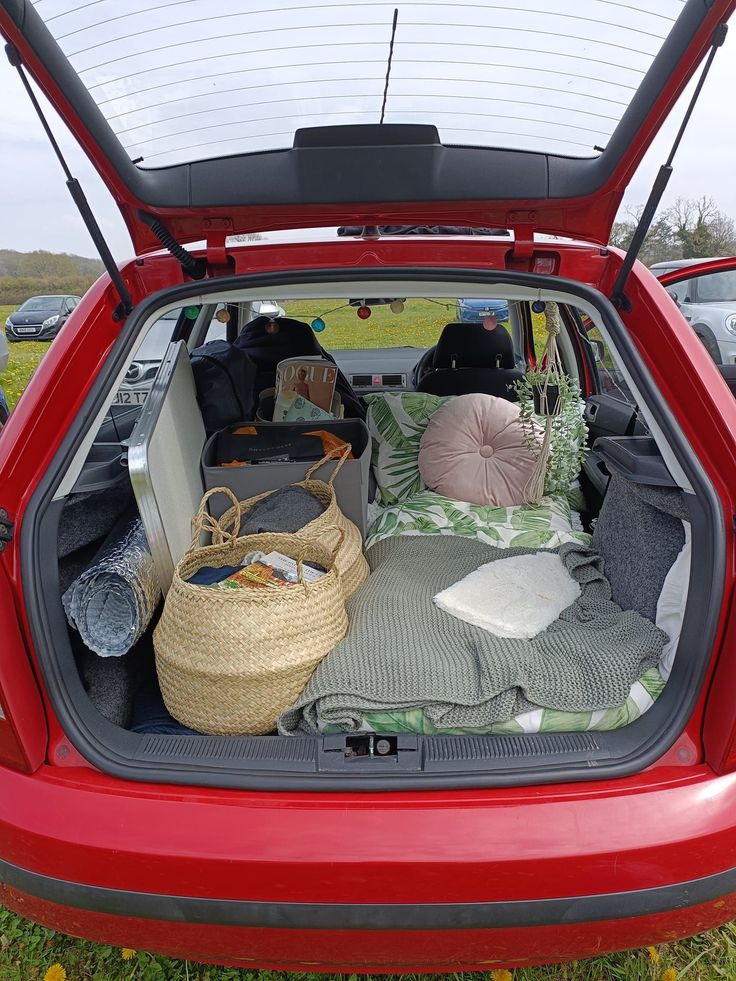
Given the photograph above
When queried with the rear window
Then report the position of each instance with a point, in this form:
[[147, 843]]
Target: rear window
[[182, 81]]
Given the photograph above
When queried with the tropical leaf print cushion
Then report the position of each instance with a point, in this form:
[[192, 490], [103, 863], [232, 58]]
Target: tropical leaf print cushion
[[396, 423]]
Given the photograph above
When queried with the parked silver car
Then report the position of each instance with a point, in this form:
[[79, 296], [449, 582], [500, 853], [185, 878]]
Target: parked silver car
[[4, 352], [707, 301]]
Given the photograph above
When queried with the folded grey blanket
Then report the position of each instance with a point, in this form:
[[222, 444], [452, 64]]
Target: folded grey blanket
[[402, 652], [287, 509]]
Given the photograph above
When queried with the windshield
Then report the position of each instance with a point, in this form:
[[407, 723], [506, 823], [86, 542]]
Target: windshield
[[391, 322], [717, 287], [37, 304]]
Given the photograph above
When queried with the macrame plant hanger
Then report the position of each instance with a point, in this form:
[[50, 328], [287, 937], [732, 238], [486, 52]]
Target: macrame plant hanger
[[547, 394]]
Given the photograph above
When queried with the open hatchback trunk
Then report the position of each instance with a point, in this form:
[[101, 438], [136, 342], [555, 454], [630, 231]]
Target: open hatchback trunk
[[640, 502], [208, 129]]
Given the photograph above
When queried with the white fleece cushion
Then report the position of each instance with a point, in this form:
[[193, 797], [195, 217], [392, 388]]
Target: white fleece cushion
[[475, 449], [516, 597]]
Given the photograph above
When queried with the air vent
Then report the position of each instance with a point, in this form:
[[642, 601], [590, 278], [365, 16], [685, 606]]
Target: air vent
[[378, 381]]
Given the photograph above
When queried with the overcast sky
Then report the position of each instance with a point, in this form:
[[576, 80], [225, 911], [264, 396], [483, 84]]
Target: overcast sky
[[38, 213]]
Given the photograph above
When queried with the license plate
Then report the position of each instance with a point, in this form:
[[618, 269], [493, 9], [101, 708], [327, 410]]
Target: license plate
[[130, 398], [26, 330]]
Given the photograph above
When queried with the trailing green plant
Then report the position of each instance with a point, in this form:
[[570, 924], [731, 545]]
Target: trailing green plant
[[569, 432]]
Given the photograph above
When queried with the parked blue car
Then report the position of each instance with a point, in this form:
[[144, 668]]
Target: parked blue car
[[473, 311]]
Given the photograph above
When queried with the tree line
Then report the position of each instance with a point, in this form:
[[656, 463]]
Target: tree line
[[691, 228], [24, 274]]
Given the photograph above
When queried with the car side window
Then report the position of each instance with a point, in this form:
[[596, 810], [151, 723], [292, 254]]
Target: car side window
[[69, 305], [610, 378], [681, 292]]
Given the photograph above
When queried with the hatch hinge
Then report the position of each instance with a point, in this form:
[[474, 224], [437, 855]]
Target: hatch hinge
[[522, 225], [78, 196], [6, 529], [618, 295], [216, 231], [193, 267]]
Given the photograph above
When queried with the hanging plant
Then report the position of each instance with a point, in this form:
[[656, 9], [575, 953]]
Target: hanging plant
[[568, 431], [548, 397]]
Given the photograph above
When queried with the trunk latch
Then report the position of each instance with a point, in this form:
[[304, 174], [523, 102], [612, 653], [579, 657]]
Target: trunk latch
[[370, 751], [370, 744]]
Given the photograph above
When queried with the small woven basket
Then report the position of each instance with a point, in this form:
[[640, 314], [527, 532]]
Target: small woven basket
[[349, 558], [230, 661]]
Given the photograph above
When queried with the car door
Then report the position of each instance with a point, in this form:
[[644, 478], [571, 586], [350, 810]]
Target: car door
[[706, 296]]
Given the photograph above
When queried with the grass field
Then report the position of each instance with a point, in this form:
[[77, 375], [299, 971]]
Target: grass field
[[28, 951]]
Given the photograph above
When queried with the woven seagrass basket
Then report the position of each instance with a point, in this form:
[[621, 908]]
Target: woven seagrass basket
[[230, 661], [349, 559]]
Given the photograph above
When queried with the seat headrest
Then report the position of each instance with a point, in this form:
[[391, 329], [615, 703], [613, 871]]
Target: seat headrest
[[472, 346], [293, 338]]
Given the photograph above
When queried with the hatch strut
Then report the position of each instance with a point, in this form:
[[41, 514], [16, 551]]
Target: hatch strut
[[618, 297], [75, 189]]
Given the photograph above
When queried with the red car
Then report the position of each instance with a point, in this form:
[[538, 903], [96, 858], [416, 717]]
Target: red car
[[404, 845]]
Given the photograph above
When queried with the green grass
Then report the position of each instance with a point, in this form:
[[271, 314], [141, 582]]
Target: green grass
[[24, 359], [28, 951]]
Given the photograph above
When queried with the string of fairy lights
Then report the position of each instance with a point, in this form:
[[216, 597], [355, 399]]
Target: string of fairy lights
[[363, 310]]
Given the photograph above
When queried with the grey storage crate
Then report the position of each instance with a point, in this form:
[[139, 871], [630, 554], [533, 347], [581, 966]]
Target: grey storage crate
[[351, 484]]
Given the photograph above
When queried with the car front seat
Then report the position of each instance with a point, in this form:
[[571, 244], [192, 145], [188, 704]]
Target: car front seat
[[469, 359]]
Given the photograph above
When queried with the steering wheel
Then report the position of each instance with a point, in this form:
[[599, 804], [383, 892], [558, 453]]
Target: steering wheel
[[423, 365]]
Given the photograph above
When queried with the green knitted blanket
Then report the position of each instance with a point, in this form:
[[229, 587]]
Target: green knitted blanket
[[402, 652]]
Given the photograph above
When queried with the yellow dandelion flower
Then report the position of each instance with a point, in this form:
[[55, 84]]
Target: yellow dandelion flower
[[127, 953], [653, 954], [55, 973], [502, 975], [669, 975]]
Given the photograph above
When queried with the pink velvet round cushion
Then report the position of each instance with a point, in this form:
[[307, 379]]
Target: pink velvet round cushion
[[474, 449]]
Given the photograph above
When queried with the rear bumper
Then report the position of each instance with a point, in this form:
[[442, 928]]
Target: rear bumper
[[394, 881], [390, 949], [324, 915]]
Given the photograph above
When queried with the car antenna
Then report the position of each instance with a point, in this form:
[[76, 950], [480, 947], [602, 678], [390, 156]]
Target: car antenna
[[388, 66], [78, 196], [618, 297]]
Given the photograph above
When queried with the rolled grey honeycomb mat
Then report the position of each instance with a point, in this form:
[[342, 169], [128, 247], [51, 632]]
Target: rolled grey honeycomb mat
[[112, 602]]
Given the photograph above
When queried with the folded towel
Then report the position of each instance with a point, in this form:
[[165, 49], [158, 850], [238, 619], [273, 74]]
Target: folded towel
[[516, 597]]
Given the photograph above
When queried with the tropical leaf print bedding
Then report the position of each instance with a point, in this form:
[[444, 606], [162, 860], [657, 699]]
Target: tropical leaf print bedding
[[547, 525]]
